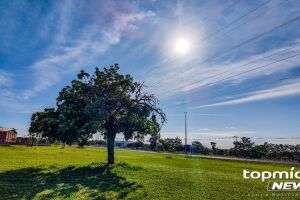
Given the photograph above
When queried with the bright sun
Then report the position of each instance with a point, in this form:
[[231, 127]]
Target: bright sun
[[182, 46]]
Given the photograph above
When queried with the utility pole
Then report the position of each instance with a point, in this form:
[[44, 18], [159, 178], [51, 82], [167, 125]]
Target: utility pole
[[235, 144], [100, 139], [185, 138]]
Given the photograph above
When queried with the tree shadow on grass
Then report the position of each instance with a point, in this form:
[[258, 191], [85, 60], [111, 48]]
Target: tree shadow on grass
[[92, 182]]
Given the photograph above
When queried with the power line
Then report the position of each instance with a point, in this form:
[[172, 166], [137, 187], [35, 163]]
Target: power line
[[223, 10], [208, 17], [183, 103], [205, 39], [264, 33], [250, 19], [244, 72], [236, 20], [256, 138], [250, 40], [224, 72], [233, 22], [250, 87]]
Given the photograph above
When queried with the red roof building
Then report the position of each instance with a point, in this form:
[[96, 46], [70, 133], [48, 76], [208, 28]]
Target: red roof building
[[8, 135]]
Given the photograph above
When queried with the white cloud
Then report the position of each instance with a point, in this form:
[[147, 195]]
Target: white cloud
[[290, 88], [172, 80], [196, 115], [84, 49], [9, 101], [5, 78], [177, 75]]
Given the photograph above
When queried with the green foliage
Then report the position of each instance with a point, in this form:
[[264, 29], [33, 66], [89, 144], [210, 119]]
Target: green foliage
[[279, 151], [260, 151], [106, 102], [153, 141], [243, 147], [214, 147], [199, 148], [246, 148], [171, 144], [44, 125]]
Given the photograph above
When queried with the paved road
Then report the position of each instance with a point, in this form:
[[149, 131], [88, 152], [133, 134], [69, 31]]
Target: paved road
[[223, 157]]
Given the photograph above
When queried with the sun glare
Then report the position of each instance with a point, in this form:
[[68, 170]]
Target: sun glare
[[182, 46]]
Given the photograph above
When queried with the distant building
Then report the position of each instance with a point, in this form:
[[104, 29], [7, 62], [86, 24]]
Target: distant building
[[8, 135]]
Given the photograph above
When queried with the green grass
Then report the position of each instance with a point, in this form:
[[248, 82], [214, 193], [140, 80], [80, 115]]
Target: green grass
[[74, 173]]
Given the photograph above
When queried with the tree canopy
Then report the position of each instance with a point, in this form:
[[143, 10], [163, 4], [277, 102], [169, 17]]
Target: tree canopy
[[171, 144], [106, 102]]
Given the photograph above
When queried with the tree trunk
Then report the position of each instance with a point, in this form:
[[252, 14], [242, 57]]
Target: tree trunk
[[110, 148]]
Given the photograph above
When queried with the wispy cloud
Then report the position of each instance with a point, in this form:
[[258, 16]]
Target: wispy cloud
[[287, 89], [196, 115], [5, 79], [206, 76], [68, 55], [174, 74], [10, 102], [43, 45]]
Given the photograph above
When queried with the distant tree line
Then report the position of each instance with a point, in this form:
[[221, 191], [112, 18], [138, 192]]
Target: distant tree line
[[243, 148], [247, 149]]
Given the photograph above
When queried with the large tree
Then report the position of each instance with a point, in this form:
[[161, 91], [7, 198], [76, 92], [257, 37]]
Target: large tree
[[110, 103]]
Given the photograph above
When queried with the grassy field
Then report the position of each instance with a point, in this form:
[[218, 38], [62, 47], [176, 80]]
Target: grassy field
[[74, 173]]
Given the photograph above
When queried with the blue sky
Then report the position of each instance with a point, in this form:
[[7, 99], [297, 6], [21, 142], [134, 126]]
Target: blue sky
[[238, 76]]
